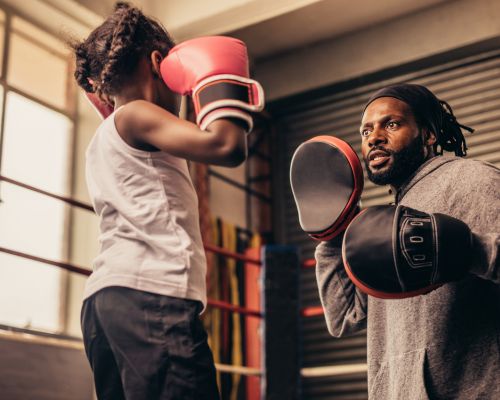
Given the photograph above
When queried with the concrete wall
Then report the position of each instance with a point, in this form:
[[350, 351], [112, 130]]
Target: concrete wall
[[432, 31]]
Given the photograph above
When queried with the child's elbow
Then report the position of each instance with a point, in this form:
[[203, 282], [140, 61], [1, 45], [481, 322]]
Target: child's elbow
[[233, 156], [228, 143]]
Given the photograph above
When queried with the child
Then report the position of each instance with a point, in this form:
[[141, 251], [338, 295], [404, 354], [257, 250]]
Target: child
[[140, 317]]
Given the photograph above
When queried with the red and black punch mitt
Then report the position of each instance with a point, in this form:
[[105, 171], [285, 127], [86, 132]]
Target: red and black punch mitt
[[394, 252], [327, 180]]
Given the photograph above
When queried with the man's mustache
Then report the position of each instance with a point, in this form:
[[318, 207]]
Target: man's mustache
[[386, 152]]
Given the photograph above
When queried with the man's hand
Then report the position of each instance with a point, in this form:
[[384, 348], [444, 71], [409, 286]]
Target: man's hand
[[394, 252]]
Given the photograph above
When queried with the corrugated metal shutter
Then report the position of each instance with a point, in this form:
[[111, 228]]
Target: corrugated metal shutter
[[470, 85]]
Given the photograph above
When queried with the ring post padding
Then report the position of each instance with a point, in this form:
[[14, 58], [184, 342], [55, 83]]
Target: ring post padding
[[280, 353]]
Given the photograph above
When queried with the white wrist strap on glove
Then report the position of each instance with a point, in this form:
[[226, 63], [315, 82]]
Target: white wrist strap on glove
[[227, 96]]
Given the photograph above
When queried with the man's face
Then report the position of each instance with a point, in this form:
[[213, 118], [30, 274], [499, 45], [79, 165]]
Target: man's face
[[392, 143]]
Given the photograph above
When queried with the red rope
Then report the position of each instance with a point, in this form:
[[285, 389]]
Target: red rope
[[230, 254], [312, 311], [76, 203], [68, 200], [63, 265], [310, 263], [230, 307], [84, 271]]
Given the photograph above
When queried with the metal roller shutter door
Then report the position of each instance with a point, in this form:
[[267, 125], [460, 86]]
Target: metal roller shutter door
[[471, 86]]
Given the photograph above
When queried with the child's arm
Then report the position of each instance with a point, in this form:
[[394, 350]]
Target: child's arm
[[142, 123], [213, 70]]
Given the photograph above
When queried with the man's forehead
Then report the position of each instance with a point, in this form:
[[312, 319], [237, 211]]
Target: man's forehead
[[383, 106]]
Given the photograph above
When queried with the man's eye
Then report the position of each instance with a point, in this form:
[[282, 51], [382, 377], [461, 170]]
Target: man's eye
[[365, 132], [392, 124]]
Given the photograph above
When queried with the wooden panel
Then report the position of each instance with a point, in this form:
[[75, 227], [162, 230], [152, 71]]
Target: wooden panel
[[34, 370]]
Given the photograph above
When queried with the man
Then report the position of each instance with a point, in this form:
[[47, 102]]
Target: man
[[444, 344]]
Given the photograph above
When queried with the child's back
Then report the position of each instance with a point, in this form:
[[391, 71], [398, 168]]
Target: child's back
[[149, 231]]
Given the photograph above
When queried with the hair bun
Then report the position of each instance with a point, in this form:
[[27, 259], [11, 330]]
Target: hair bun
[[122, 5]]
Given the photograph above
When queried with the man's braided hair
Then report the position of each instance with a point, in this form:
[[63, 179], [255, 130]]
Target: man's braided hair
[[450, 137], [112, 51]]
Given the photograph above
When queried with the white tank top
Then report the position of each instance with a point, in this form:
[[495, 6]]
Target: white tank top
[[149, 229]]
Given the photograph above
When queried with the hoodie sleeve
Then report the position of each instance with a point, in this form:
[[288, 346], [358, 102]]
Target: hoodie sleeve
[[345, 306], [478, 198]]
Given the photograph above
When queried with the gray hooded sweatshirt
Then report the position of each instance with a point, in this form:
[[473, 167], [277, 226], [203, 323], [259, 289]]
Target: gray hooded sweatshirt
[[445, 344]]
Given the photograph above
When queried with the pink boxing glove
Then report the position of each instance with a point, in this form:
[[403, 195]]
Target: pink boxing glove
[[214, 71]]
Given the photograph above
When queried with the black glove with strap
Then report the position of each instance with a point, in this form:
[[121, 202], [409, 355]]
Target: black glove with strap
[[393, 252]]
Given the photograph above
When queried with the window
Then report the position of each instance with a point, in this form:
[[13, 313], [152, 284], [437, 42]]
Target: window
[[36, 149]]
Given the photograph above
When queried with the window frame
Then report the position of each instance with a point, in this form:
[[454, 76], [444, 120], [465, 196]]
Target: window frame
[[70, 112]]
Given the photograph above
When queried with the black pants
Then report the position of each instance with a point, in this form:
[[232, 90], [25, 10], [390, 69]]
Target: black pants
[[144, 346]]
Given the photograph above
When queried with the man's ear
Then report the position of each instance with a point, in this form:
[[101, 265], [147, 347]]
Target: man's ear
[[156, 59], [429, 137]]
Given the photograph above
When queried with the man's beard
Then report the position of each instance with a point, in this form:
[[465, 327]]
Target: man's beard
[[404, 164]]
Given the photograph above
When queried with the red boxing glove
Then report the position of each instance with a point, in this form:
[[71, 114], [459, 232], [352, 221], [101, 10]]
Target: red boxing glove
[[214, 71]]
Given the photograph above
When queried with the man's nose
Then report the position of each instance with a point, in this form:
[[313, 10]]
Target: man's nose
[[377, 137]]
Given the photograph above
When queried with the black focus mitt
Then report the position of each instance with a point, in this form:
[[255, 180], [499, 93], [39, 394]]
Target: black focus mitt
[[327, 180]]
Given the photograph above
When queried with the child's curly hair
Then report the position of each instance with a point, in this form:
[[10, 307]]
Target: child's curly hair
[[113, 50]]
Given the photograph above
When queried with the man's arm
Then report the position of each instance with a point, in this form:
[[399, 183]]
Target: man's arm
[[485, 263], [345, 306], [480, 202]]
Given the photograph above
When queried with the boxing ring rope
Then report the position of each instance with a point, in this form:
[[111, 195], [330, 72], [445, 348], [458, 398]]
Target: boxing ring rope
[[62, 265], [20, 336], [88, 207], [315, 310], [237, 309], [72, 202], [309, 263], [230, 254], [333, 370], [235, 369], [84, 271]]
